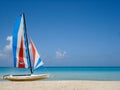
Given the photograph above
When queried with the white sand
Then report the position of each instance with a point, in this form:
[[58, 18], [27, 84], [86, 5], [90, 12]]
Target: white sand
[[61, 85]]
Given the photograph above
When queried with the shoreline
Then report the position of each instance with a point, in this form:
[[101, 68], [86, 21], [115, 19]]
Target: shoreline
[[61, 85]]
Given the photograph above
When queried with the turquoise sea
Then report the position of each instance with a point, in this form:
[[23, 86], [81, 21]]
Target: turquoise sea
[[71, 73]]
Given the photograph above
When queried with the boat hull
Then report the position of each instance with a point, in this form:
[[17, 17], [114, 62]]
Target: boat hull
[[25, 77]]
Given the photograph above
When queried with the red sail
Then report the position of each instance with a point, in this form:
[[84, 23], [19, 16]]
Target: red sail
[[21, 63]]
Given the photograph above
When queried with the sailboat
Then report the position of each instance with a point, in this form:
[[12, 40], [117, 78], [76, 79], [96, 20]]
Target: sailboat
[[24, 53]]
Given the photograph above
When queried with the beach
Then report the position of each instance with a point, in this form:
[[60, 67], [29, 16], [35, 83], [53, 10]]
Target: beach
[[61, 85], [72, 78]]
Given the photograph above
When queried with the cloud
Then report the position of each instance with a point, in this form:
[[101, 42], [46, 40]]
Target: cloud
[[60, 54], [6, 58], [9, 46]]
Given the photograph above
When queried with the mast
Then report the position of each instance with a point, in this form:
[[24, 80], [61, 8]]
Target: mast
[[27, 44]]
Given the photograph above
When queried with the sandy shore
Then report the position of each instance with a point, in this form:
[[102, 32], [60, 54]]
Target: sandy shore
[[61, 85]]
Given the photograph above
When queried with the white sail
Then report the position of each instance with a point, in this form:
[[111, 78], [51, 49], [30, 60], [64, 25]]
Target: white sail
[[37, 62]]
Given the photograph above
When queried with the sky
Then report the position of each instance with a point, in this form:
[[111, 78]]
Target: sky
[[65, 32]]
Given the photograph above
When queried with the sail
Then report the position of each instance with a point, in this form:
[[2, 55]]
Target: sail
[[20, 49], [37, 62]]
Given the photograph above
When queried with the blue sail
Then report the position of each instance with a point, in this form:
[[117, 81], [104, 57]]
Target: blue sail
[[20, 50]]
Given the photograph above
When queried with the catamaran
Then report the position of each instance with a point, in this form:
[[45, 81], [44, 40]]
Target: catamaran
[[23, 52]]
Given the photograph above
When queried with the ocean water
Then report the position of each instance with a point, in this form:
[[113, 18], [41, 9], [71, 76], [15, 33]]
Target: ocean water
[[71, 73]]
